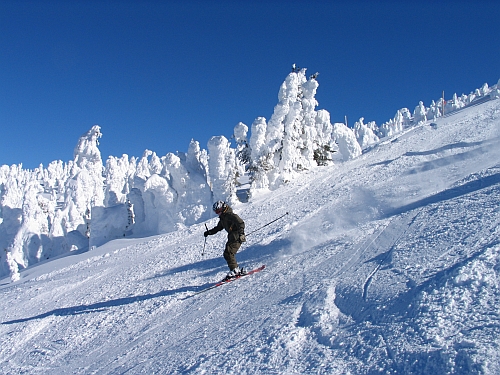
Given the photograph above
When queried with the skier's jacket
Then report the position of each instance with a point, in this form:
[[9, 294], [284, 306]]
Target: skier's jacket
[[233, 224]]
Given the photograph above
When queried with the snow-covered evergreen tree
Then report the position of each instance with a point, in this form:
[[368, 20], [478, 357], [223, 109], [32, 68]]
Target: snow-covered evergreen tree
[[365, 133], [119, 177], [485, 90], [434, 111], [143, 170], [420, 113], [402, 119], [159, 203], [41, 208], [345, 138], [192, 191], [454, 104], [26, 246], [197, 159], [284, 129], [323, 143], [495, 92], [260, 162], [221, 168], [85, 189], [243, 152], [297, 138]]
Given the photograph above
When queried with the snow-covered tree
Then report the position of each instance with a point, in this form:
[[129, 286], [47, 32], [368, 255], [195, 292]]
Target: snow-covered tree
[[243, 153], [193, 194], [159, 203], [260, 163], [420, 113], [41, 208], [495, 92], [119, 177], [221, 168], [434, 111], [402, 119], [85, 189], [365, 133], [297, 137], [323, 144], [345, 138], [197, 159], [284, 130], [143, 170], [454, 104], [485, 90]]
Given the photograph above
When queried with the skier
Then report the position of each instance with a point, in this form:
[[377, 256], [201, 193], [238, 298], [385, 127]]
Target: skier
[[235, 228]]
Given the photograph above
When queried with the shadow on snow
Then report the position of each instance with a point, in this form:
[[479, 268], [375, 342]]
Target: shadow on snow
[[102, 306], [452, 193], [259, 252]]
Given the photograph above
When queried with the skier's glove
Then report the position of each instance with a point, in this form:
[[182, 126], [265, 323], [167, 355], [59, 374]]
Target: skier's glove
[[241, 234], [206, 233]]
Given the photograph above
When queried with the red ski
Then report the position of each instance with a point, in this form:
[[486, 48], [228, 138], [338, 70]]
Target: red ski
[[220, 283]]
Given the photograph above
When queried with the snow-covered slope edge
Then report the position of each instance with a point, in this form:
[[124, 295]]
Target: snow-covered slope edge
[[388, 263]]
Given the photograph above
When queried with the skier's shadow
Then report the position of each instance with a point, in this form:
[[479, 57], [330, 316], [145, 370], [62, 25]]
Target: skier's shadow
[[210, 266], [103, 306], [256, 254]]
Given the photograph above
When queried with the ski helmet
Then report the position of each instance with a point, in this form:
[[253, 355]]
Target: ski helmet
[[219, 207]]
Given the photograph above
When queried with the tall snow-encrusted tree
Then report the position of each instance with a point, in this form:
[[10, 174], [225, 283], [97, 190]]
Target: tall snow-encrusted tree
[[396, 125], [37, 221], [240, 133], [86, 187], [284, 130], [260, 162], [346, 140], [198, 200], [221, 169], [27, 244], [434, 111], [495, 91], [323, 145], [242, 152], [297, 137], [143, 170], [192, 190], [197, 159], [118, 174], [365, 133], [420, 113]]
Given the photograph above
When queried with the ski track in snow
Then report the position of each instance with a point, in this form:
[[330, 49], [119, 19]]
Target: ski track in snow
[[388, 263]]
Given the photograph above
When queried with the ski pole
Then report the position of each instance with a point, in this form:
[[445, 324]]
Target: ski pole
[[203, 252], [268, 224]]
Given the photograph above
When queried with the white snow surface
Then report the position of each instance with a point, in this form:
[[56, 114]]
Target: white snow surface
[[385, 264]]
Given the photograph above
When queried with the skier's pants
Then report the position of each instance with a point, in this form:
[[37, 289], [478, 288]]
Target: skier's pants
[[230, 254]]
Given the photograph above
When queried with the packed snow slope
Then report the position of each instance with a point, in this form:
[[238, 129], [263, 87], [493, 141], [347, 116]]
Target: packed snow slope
[[388, 263]]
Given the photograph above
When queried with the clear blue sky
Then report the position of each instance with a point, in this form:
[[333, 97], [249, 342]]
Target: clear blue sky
[[154, 74]]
